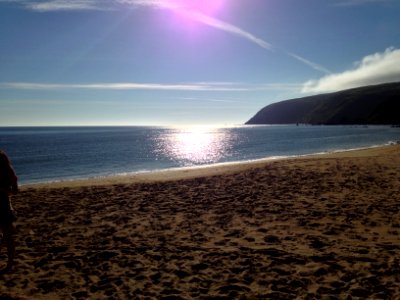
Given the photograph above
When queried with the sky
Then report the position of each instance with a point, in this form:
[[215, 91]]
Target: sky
[[185, 62]]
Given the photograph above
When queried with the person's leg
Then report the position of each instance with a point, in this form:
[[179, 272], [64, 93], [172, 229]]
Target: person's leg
[[1, 237], [8, 239]]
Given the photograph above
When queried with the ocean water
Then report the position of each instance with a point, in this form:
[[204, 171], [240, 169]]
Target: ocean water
[[46, 154]]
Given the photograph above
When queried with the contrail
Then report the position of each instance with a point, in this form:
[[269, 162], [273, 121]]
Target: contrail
[[175, 7], [210, 21], [310, 63], [224, 26]]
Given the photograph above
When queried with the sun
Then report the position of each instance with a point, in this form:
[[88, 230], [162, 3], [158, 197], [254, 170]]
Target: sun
[[207, 7]]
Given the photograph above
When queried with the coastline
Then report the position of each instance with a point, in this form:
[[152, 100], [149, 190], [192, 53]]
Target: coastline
[[201, 170], [75, 153], [316, 227]]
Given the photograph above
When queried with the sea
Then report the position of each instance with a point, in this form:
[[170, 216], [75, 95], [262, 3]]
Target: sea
[[50, 154]]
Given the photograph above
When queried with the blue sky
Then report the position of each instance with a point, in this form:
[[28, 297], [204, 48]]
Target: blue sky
[[178, 62]]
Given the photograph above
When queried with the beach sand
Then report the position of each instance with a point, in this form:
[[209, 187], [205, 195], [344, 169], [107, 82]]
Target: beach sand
[[317, 227]]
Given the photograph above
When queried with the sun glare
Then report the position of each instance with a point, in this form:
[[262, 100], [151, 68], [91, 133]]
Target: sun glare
[[207, 7], [196, 145]]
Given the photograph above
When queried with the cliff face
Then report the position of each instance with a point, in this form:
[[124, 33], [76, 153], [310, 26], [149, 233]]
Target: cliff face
[[378, 104]]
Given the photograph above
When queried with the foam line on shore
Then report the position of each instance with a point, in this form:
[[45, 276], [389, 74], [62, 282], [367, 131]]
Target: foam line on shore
[[196, 171]]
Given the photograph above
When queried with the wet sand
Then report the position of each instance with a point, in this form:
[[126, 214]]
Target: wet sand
[[318, 227]]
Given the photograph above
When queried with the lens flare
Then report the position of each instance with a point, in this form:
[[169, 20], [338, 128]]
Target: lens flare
[[207, 7]]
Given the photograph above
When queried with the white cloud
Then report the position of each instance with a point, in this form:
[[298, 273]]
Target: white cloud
[[208, 100], [120, 86], [201, 86], [359, 2], [155, 3], [57, 5], [373, 69], [13, 1]]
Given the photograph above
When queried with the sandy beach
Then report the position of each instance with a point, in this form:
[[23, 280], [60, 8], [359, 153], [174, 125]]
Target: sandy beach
[[316, 227]]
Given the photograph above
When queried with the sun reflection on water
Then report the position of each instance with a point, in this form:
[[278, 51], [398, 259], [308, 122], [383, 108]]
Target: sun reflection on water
[[196, 145]]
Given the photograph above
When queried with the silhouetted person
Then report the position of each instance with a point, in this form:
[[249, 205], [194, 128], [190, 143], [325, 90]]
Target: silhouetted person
[[8, 186]]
